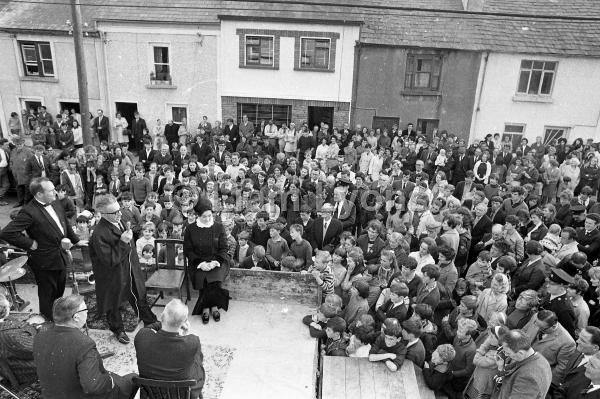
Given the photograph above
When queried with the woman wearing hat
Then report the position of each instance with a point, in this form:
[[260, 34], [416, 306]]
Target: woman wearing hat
[[205, 246]]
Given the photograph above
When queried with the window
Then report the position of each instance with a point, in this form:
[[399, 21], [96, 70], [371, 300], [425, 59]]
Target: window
[[37, 58], [178, 113], [161, 63], [263, 112], [423, 72], [515, 132], [554, 133], [259, 50], [315, 53], [536, 77]]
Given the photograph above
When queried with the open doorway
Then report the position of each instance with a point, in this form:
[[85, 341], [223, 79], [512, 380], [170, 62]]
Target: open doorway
[[127, 110], [30, 104], [316, 115], [426, 127], [65, 105]]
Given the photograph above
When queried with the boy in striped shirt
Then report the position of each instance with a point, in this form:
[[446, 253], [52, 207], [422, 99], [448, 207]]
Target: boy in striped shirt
[[321, 271]]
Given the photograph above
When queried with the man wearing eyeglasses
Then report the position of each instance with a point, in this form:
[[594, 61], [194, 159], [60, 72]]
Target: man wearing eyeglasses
[[117, 269], [49, 237], [67, 360]]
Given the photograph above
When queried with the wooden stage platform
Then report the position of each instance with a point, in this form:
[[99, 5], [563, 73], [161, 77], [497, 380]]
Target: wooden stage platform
[[353, 378]]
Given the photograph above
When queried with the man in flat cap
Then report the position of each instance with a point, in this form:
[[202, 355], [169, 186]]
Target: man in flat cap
[[588, 237], [578, 216], [558, 302]]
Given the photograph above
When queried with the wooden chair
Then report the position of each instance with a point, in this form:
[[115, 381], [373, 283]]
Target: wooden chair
[[169, 277], [159, 389]]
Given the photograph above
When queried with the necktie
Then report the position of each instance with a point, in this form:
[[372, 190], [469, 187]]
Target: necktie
[[325, 225]]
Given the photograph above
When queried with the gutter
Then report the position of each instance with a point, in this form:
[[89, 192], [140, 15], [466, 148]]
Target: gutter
[[479, 95]]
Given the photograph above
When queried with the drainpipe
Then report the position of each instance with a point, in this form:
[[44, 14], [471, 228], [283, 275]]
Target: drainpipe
[[106, 83], [353, 107], [479, 94]]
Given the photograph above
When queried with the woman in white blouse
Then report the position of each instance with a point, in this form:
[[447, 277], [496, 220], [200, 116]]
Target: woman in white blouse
[[120, 124], [77, 134], [482, 169]]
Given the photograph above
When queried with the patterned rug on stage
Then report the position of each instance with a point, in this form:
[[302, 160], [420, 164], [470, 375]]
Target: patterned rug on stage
[[217, 359], [130, 318]]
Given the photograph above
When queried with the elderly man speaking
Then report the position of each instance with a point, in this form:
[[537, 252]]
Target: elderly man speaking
[[116, 268]]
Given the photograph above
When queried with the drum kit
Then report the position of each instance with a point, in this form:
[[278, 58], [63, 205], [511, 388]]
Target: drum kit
[[9, 272]]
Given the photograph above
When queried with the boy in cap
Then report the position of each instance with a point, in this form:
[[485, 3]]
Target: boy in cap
[[559, 302]]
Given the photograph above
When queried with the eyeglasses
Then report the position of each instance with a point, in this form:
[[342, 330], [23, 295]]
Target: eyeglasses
[[79, 311], [112, 213]]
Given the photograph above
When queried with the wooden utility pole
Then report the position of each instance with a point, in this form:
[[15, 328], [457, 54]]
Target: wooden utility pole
[[84, 106]]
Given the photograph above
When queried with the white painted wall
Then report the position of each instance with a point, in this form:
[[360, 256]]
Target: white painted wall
[[193, 65], [13, 86], [286, 82], [575, 98]]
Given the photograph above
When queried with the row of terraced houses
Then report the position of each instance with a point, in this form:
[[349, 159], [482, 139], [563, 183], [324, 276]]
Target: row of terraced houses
[[524, 68]]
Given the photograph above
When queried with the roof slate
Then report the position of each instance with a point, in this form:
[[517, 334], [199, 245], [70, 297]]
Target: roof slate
[[426, 28], [569, 8]]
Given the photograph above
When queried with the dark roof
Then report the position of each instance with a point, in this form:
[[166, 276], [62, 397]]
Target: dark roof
[[570, 8], [425, 28]]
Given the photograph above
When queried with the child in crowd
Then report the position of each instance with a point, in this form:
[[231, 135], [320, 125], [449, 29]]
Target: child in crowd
[[300, 248], [336, 343], [99, 189], [257, 261], [393, 303], [480, 272], [317, 323], [360, 342], [290, 264], [277, 247], [152, 202], [338, 269], [436, 372], [389, 347], [66, 202], [244, 247], [169, 211], [82, 226], [140, 185], [321, 271], [147, 238], [147, 260], [411, 333], [358, 303]]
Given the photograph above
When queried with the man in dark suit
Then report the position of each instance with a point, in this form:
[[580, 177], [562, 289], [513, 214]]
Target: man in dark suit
[[326, 232], [168, 351], [138, 127], [575, 380], [344, 210], [201, 149], [171, 132], [405, 185], [38, 165], [588, 237], [465, 185], [154, 176], [180, 159], [233, 132], [481, 225], [116, 268], [462, 164], [592, 372], [409, 131], [147, 154], [49, 236], [496, 213], [506, 155], [101, 126], [68, 362]]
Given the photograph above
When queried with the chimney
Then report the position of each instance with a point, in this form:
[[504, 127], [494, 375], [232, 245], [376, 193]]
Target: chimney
[[473, 5]]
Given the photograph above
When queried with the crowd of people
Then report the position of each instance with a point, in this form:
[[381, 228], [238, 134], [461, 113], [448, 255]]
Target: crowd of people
[[476, 261]]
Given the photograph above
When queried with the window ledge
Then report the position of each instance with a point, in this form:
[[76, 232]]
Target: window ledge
[[429, 93], [532, 98], [314, 70], [45, 79], [161, 86], [259, 67]]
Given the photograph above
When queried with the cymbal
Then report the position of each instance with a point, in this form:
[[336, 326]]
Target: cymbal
[[13, 265], [11, 275]]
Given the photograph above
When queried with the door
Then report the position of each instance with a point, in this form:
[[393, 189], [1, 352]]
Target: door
[[426, 126], [316, 115], [127, 110], [69, 106], [381, 122], [31, 104]]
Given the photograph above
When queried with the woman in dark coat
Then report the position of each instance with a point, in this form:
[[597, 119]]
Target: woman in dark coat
[[205, 246]]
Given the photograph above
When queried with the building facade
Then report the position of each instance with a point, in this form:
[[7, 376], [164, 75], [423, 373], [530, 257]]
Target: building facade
[[531, 95], [429, 87], [287, 71]]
